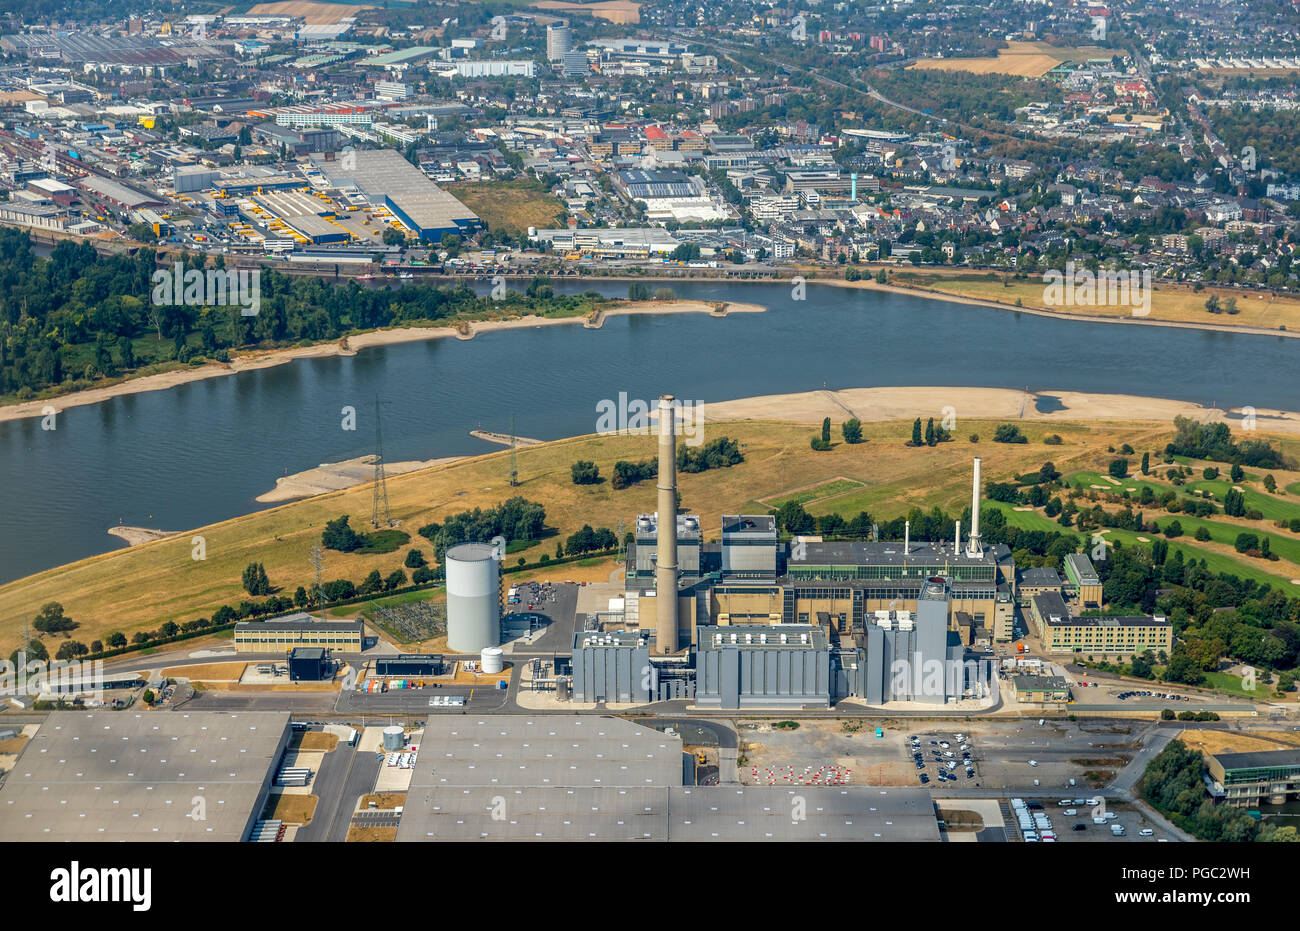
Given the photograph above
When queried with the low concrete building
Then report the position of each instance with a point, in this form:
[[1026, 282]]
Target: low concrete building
[[1040, 689], [1084, 580], [1253, 778], [283, 634]]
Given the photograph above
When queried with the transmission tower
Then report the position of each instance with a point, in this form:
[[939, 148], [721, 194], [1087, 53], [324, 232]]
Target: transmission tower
[[514, 458], [381, 483], [317, 560]]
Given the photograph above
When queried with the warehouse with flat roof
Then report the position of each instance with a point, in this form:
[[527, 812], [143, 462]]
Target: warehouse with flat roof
[[143, 776], [388, 179], [554, 778]]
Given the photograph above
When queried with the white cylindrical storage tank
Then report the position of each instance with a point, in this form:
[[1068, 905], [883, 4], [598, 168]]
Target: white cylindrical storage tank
[[394, 738], [473, 598], [493, 660]]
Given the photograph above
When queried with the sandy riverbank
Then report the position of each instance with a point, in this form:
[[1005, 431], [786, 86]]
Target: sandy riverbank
[[137, 535], [952, 298], [260, 359], [335, 476], [878, 404]]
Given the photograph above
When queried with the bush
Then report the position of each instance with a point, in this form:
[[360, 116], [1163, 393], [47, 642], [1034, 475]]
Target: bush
[[415, 560], [1009, 433], [1053, 440], [820, 445], [585, 472], [1118, 468]]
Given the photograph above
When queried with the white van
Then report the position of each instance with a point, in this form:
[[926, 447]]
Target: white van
[[1146, 832]]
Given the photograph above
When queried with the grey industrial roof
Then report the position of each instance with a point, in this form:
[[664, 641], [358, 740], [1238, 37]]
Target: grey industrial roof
[[1044, 575], [300, 621], [384, 173], [855, 553], [1038, 683], [1255, 760], [506, 777], [816, 636], [135, 776], [1082, 567], [307, 653], [748, 523]]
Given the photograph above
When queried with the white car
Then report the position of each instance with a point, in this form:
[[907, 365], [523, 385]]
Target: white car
[[1070, 811], [1146, 832], [1099, 820], [1063, 802], [1033, 762]]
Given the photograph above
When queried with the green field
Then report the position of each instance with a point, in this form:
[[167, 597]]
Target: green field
[[1273, 508], [825, 490], [1243, 567]]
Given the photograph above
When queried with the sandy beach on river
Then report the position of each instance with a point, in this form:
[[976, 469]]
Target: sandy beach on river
[[877, 404]]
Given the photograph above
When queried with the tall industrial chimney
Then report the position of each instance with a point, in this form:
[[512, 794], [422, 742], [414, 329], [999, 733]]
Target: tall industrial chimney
[[974, 549], [666, 542], [907, 537], [956, 538]]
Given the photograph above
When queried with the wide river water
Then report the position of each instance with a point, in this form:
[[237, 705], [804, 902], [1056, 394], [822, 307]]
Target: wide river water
[[201, 452]]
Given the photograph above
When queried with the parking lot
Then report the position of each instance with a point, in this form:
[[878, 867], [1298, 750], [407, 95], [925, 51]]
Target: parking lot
[[944, 758], [1088, 817]]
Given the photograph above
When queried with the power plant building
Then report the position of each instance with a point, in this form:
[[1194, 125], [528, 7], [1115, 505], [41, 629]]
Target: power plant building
[[765, 666]]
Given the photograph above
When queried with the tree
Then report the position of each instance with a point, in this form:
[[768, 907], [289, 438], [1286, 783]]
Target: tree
[[396, 579], [415, 559], [1118, 468], [1270, 483], [51, 619], [820, 445], [147, 696], [1008, 433], [372, 583], [851, 430], [339, 536], [34, 652], [585, 472], [1146, 463], [117, 639], [1173, 529], [826, 430], [916, 433], [255, 580], [929, 432]]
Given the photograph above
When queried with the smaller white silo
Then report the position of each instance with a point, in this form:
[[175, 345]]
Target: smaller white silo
[[394, 738], [493, 660]]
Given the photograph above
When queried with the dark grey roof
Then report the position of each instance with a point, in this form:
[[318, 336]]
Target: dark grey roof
[[1260, 758], [1040, 576]]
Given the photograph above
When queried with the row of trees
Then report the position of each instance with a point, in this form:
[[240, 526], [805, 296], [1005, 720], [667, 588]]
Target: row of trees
[[78, 315]]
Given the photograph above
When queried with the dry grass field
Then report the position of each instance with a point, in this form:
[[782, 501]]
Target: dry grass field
[[291, 809], [141, 587], [1210, 741], [512, 206], [315, 14], [207, 672], [1168, 302], [622, 12], [1019, 59]]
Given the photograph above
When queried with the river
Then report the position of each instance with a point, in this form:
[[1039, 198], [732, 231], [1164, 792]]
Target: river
[[201, 452]]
